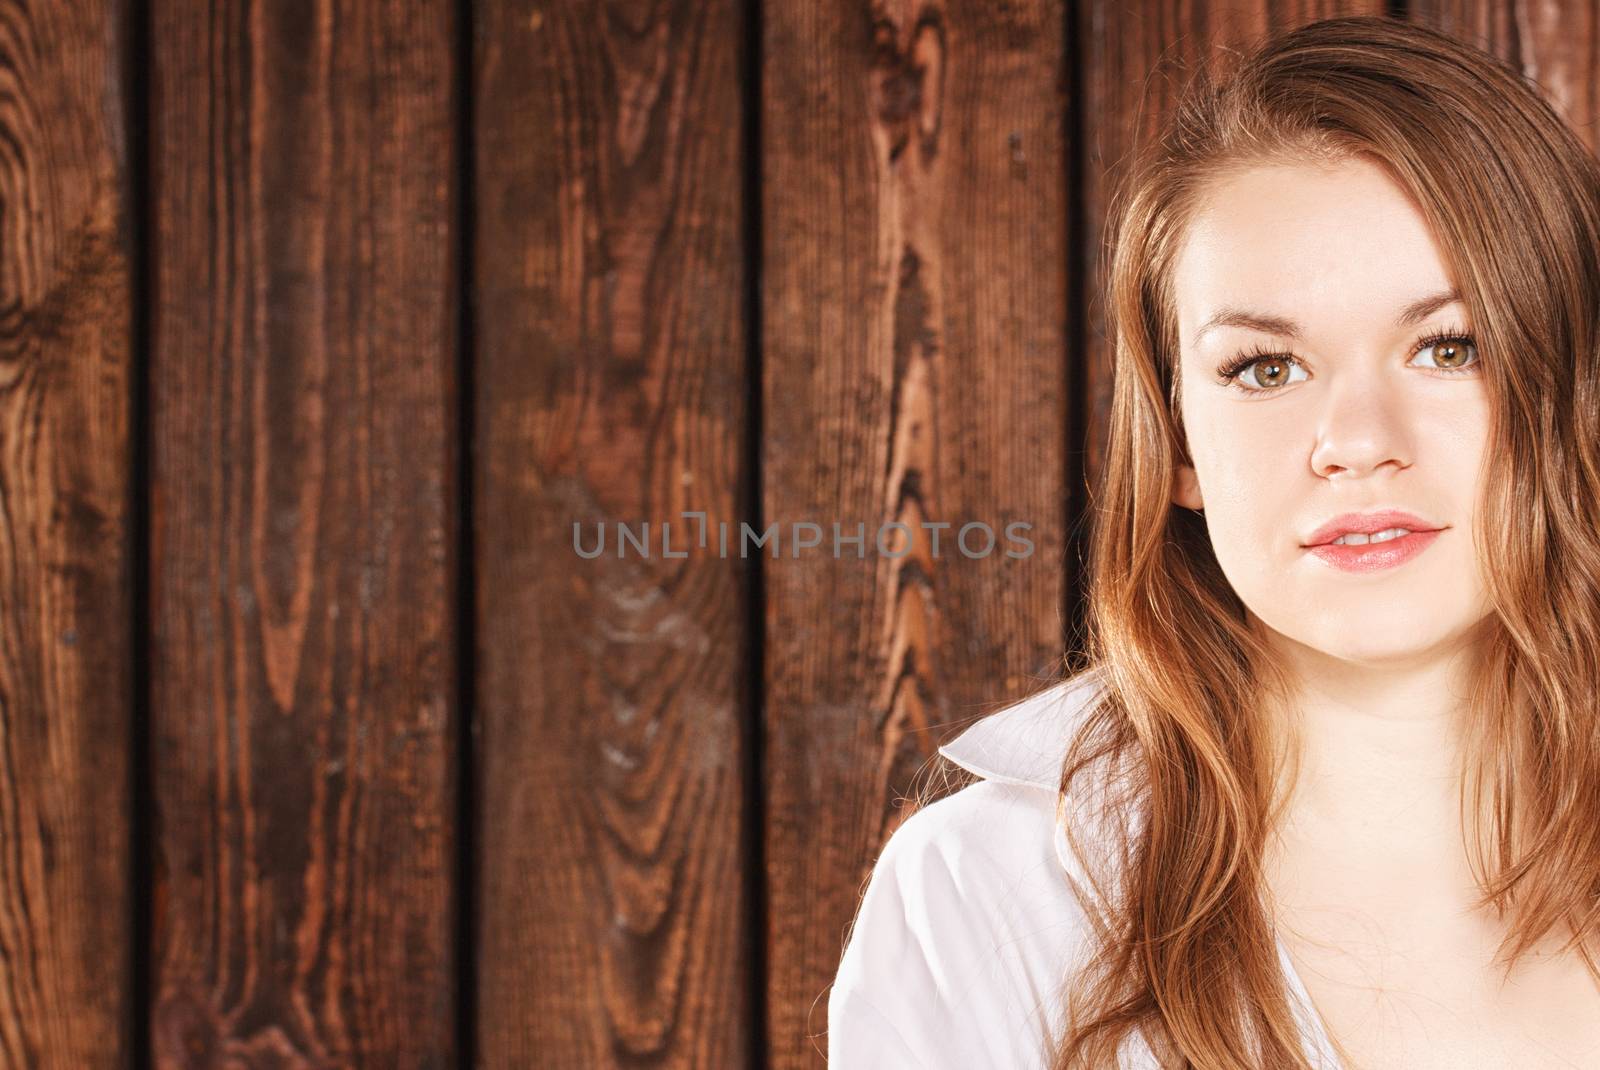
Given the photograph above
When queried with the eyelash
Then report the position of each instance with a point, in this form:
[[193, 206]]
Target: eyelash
[[1230, 371]]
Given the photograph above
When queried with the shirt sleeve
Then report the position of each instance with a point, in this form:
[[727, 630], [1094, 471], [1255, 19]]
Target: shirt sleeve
[[930, 976], [860, 1035]]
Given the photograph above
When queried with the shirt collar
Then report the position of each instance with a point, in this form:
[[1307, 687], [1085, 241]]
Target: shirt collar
[[1026, 743]]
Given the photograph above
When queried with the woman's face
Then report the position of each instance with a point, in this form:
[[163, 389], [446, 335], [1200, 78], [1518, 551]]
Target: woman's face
[[1355, 419]]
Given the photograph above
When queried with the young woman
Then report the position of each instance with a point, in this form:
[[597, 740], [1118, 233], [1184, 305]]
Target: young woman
[[1324, 788]]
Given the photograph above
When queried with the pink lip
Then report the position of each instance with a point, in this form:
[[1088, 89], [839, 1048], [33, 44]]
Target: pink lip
[[1376, 555], [1368, 524]]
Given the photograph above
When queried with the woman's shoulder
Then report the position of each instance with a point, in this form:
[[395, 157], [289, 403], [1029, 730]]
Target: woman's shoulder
[[990, 837], [971, 846], [958, 946], [975, 909]]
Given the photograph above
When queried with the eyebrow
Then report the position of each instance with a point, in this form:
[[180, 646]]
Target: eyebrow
[[1227, 316]]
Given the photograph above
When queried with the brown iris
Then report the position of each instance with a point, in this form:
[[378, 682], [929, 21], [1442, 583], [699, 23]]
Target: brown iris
[[1455, 350], [1269, 362]]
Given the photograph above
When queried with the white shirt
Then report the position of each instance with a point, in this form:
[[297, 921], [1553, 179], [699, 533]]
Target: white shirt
[[969, 924]]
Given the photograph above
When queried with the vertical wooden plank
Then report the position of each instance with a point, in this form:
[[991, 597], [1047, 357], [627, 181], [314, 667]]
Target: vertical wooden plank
[[914, 345], [1552, 43], [65, 686], [303, 511], [1134, 60], [610, 372]]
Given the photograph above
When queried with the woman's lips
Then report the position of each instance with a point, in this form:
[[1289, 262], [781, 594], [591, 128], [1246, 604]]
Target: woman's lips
[[1373, 556]]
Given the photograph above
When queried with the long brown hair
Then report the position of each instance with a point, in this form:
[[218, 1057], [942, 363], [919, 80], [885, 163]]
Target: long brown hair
[[1187, 955]]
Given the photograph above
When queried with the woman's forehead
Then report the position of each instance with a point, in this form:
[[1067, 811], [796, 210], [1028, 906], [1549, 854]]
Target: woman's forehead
[[1275, 250]]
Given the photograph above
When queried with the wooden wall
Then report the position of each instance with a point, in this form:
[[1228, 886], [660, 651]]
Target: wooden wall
[[321, 325]]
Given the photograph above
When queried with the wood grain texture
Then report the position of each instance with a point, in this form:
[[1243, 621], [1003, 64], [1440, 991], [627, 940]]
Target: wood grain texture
[[914, 344], [611, 373], [1135, 60], [65, 571], [303, 509]]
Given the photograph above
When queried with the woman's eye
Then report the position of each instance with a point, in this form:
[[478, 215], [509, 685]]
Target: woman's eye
[[1270, 373], [1451, 353]]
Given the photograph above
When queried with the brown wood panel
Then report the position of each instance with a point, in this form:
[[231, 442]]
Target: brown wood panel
[[303, 508], [65, 686], [1135, 58], [611, 378], [914, 333], [1553, 43]]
